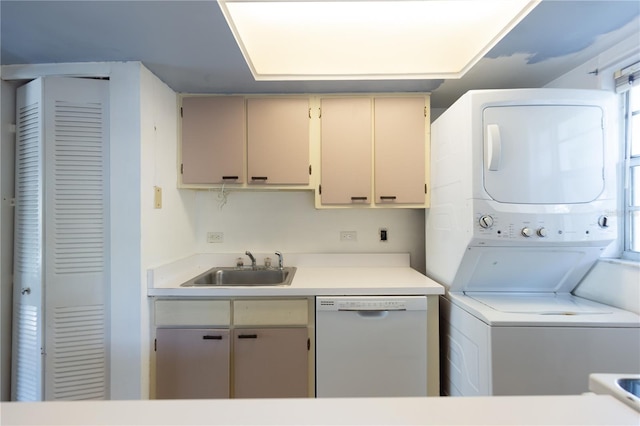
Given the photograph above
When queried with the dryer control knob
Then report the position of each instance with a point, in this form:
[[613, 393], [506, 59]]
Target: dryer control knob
[[603, 221], [542, 232], [526, 232], [486, 221]]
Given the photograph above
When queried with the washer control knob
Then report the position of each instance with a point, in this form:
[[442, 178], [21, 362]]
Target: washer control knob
[[542, 232], [486, 221], [526, 232], [603, 221]]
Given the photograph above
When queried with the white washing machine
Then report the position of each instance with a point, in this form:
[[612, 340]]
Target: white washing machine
[[523, 203], [532, 344]]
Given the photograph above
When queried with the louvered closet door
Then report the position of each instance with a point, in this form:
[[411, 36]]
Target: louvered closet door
[[26, 366], [76, 245]]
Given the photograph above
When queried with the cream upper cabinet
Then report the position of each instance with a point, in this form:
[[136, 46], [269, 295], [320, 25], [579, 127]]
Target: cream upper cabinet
[[400, 150], [374, 151], [345, 150], [213, 137], [278, 141]]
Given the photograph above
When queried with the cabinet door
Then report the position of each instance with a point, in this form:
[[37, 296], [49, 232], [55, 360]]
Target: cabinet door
[[192, 363], [271, 363], [399, 129], [278, 141], [213, 139], [346, 151]]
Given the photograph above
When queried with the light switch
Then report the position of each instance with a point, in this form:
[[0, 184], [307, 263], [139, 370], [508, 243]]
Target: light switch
[[157, 197]]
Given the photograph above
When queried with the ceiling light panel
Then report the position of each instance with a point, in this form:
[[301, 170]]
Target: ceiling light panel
[[346, 40]]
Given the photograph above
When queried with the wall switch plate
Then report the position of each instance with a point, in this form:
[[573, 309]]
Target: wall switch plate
[[349, 236], [157, 197], [215, 237]]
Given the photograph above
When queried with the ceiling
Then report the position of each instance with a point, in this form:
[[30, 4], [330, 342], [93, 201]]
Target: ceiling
[[189, 46]]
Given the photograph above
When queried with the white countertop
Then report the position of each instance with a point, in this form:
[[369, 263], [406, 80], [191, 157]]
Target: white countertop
[[316, 275], [588, 409]]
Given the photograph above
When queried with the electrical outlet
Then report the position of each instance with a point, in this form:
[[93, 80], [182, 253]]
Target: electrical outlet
[[215, 237], [384, 235], [349, 236]]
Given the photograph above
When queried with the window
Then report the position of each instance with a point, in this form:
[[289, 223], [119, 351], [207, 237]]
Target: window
[[632, 179]]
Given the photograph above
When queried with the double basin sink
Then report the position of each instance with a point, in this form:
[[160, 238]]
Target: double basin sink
[[251, 276]]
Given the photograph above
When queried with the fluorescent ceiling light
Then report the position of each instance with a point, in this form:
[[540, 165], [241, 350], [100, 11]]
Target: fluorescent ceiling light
[[363, 40]]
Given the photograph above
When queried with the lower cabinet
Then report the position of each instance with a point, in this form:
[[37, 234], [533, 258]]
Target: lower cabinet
[[262, 350], [270, 363], [192, 363]]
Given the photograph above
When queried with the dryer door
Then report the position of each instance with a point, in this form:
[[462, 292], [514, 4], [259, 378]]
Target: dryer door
[[543, 154]]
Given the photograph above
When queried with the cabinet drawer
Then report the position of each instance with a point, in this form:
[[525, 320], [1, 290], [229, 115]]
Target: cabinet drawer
[[270, 312], [192, 312]]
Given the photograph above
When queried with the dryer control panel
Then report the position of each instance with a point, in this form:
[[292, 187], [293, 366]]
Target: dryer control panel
[[588, 227]]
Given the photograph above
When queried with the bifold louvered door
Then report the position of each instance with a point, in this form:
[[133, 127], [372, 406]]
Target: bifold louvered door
[[60, 348]]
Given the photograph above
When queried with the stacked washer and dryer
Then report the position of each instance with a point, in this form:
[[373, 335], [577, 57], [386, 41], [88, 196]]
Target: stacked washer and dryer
[[523, 203]]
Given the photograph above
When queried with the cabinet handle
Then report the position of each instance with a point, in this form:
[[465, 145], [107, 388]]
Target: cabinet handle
[[358, 198], [207, 337], [258, 178], [387, 197], [229, 177], [247, 336]]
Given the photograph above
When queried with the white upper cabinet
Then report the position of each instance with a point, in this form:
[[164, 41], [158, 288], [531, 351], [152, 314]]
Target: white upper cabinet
[[278, 141], [213, 135], [400, 150], [346, 150]]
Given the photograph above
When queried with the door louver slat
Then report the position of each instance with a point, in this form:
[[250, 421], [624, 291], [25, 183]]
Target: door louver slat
[[79, 193]]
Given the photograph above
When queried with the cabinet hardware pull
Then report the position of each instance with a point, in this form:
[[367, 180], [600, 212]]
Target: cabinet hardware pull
[[212, 337], [247, 336], [258, 178], [229, 177], [358, 198], [387, 197]]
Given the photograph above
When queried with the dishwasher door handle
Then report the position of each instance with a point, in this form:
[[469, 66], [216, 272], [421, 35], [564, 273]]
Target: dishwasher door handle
[[369, 313]]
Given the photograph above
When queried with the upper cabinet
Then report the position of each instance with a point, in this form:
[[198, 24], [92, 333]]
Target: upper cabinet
[[240, 140], [278, 141], [354, 150], [213, 135], [400, 150], [345, 151], [374, 139]]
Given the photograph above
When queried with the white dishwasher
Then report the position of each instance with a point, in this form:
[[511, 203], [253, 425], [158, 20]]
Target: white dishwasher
[[371, 346]]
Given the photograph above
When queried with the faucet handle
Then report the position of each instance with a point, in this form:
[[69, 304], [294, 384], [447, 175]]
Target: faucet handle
[[280, 261]]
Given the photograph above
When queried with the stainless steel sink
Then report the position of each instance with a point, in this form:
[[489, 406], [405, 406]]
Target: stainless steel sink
[[224, 276]]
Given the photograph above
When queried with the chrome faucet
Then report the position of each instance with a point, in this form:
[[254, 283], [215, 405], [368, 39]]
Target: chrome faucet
[[280, 262], [253, 259]]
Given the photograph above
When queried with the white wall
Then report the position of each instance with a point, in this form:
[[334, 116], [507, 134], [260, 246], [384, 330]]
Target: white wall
[[126, 294], [167, 232], [287, 221]]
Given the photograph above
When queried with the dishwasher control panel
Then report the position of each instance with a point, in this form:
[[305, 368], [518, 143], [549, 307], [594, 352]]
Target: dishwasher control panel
[[371, 303]]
